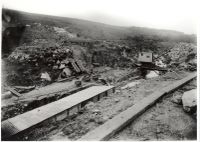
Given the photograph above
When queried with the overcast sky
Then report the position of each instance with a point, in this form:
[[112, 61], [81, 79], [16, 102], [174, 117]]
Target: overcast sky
[[180, 15]]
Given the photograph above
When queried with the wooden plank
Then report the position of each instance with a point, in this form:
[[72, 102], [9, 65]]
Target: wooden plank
[[8, 129], [71, 103], [75, 66], [80, 65], [62, 115], [14, 92], [108, 129]]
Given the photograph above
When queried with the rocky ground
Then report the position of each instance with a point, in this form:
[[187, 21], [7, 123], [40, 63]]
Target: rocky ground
[[116, 69], [13, 106], [167, 120], [95, 114], [44, 52]]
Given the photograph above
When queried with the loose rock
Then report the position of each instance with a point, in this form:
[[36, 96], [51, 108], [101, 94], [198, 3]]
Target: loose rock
[[189, 100]]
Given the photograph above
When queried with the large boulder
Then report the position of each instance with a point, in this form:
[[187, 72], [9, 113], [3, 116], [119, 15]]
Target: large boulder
[[189, 100]]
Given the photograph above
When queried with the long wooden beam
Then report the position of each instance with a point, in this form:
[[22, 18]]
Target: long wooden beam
[[108, 129], [57, 110]]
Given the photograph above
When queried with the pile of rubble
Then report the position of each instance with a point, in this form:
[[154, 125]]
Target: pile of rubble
[[184, 56], [50, 53], [46, 62]]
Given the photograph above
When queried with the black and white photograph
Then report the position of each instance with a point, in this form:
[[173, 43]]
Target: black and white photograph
[[99, 70]]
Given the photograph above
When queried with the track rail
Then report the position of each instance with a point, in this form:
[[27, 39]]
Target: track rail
[[111, 127]]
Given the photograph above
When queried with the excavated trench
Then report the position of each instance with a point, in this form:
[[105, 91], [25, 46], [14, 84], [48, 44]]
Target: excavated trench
[[22, 107]]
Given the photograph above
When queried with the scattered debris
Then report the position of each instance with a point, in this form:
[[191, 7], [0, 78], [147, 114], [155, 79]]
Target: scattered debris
[[89, 105], [116, 100], [45, 76], [117, 91], [14, 92], [129, 85], [86, 78], [177, 99], [24, 89], [66, 72], [62, 66], [96, 111], [78, 83], [152, 74]]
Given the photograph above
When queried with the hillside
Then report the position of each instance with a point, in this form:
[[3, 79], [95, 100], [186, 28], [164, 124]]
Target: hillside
[[49, 65], [34, 44], [94, 30]]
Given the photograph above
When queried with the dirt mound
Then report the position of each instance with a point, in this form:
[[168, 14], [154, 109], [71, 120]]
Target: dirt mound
[[30, 61]]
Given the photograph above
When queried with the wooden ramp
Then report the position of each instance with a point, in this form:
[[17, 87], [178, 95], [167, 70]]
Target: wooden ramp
[[57, 110]]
